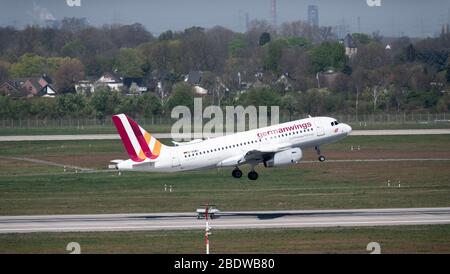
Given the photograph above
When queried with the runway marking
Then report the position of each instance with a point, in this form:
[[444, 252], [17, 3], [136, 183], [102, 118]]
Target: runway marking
[[75, 137], [230, 226], [228, 220], [44, 162]]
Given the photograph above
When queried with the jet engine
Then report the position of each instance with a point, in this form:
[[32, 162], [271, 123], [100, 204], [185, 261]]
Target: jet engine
[[285, 157]]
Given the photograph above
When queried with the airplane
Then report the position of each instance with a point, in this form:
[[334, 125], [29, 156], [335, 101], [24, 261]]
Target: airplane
[[273, 146]]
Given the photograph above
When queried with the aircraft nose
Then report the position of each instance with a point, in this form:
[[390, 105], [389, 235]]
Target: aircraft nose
[[347, 129]]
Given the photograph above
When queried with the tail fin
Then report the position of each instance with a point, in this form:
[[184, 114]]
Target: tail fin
[[138, 142]]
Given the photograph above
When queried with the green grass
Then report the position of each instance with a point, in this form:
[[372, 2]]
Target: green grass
[[29, 188], [310, 187], [391, 143], [394, 143], [398, 239], [62, 148]]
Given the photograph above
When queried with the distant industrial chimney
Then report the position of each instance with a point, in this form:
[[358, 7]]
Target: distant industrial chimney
[[445, 29], [313, 15], [273, 11], [247, 21]]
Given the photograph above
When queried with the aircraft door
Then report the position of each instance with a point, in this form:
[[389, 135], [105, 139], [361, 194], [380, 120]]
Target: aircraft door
[[320, 129], [175, 158]]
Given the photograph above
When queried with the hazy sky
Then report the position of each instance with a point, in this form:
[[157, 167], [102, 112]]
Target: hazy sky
[[394, 17]]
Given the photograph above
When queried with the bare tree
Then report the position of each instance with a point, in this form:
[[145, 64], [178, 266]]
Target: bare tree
[[302, 29], [69, 73], [256, 28]]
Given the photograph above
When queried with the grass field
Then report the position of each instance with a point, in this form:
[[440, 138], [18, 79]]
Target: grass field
[[30, 187], [399, 239]]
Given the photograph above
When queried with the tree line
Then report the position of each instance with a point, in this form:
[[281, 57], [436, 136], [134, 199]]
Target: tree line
[[414, 74]]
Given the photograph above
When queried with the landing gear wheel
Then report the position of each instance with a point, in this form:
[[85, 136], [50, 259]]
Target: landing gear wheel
[[237, 173], [321, 157], [253, 175]]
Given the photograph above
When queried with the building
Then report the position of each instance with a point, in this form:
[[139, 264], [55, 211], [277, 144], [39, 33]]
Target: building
[[88, 86], [284, 81], [329, 78], [111, 80], [134, 85], [31, 85], [445, 29], [47, 91], [193, 77], [313, 15], [28, 87], [350, 46], [12, 89]]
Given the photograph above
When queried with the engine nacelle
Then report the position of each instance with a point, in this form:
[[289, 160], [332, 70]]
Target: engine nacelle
[[285, 157]]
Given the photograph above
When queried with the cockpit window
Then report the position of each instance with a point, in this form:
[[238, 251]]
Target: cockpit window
[[334, 123]]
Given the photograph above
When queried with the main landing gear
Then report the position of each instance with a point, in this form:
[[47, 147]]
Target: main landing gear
[[321, 157], [252, 175], [237, 173]]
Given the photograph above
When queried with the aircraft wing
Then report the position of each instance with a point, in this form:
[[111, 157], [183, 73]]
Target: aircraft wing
[[255, 156], [258, 155]]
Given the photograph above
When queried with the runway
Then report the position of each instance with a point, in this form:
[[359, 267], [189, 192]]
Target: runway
[[77, 137], [225, 220]]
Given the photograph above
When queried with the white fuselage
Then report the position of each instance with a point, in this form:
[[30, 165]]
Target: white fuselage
[[227, 150]]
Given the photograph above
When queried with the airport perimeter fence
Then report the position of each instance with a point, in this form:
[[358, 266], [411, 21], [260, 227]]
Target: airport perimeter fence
[[75, 123], [164, 122]]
